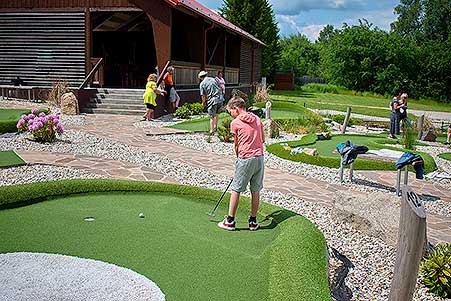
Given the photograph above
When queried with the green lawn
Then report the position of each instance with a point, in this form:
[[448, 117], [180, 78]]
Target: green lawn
[[327, 158], [371, 106], [201, 124], [9, 118], [175, 245], [372, 101], [10, 158], [446, 156]]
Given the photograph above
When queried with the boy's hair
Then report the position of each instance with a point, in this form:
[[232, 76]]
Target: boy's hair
[[152, 76], [236, 102]]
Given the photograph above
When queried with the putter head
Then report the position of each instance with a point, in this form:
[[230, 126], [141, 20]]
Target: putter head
[[211, 214]]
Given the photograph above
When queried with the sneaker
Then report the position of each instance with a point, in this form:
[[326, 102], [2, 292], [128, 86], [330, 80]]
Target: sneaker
[[253, 225], [226, 225], [446, 143]]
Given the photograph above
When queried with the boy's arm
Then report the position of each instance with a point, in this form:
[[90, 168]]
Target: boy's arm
[[263, 133]]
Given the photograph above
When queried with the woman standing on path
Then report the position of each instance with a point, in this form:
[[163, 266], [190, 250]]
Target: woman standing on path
[[150, 96], [394, 116]]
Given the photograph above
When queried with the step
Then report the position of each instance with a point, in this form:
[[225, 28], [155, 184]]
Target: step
[[119, 98], [112, 111], [141, 107], [116, 101], [122, 95]]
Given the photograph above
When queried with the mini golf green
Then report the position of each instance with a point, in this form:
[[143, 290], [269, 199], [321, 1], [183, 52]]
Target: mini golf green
[[10, 158], [9, 119], [175, 245], [328, 158], [446, 156]]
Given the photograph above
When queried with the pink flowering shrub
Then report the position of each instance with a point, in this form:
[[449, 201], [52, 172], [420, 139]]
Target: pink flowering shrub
[[41, 126]]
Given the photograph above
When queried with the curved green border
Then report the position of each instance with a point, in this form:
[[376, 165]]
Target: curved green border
[[334, 162], [304, 280], [445, 156]]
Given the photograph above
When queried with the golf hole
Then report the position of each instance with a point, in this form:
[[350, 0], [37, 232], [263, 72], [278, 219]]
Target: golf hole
[[89, 219]]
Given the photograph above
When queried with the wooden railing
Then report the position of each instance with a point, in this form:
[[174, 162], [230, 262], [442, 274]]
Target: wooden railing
[[96, 74], [185, 73]]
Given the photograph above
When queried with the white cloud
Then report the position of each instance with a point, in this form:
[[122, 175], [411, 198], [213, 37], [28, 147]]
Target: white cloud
[[294, 7], [312, 31]]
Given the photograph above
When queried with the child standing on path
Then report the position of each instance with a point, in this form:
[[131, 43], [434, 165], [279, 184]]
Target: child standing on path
[[150, 96], [249, 167]]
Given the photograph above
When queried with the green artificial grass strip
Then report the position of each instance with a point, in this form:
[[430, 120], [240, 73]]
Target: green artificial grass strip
[[175, 245], [446, 156], [201, 124], [329, 159], [9, 119], [10, 158]]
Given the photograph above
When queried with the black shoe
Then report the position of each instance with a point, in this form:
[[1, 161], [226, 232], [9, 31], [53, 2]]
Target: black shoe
[[446, 143]]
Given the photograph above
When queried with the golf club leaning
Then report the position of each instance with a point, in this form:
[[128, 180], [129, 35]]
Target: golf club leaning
[[212, 213]]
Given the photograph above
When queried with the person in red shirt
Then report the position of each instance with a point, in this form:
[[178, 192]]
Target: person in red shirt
[[249, 167], [171, 95]]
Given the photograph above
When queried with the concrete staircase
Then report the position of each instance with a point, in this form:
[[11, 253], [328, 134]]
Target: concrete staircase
[[116, 101]]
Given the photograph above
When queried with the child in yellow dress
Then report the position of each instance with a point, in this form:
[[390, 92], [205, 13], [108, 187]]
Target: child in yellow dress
[[150, 96]]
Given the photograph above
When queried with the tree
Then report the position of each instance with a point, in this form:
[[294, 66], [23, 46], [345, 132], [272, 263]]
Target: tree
[[409, 23], [257, 18], [299, 53]]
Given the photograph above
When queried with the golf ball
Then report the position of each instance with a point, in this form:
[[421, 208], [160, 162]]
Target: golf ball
[[141, 215]]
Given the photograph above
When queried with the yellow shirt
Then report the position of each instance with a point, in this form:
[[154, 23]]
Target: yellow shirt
[[149, 96]]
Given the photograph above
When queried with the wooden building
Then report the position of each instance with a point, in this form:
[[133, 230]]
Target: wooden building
[[44, 41]]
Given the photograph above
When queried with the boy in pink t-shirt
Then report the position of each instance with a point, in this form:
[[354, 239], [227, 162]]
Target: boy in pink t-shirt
[[249, 167]]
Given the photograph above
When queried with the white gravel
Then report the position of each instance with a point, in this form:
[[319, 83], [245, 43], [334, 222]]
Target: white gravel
[[40, 276], [372, 257], [40, 173]]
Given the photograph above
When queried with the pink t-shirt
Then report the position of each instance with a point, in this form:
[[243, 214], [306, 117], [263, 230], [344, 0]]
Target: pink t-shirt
[[247, 128]]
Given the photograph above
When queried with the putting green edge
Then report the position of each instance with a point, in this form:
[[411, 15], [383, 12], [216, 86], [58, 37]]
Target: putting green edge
[[307, 280]]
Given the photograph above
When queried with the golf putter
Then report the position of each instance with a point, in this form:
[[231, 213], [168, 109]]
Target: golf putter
[[212, 213]]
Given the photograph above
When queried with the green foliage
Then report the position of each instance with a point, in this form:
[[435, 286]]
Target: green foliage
[[409, 135], [339, 118], [188, 110], [436, 269], [257, 18], [224, 132], [299, 53]]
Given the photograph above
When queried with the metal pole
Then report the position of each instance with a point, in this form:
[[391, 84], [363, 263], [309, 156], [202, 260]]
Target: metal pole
[[398, 182], [340, 171], [351, 171], [406, 174]]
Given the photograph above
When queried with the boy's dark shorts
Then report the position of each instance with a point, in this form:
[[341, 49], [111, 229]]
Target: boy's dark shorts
[[151, 106]]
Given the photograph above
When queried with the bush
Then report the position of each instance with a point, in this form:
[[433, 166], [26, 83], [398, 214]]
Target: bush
[[42, 127], [409, 135], [339, 118], [188, 109], [224, 132], [58, 89], [436, 269]]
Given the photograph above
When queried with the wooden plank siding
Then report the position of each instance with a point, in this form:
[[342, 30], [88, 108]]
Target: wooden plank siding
[[42, 47], [245, 62], [21, 4]]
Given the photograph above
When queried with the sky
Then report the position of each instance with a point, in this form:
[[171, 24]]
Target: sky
[[308, 17]]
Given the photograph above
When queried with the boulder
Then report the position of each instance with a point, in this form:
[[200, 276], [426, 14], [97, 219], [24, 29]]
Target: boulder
[[310, 151], [270, 128], [69, 104], [429, 135]]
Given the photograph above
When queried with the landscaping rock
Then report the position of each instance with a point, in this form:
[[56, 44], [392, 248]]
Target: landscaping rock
[[69, 104], [429, 135], [310, 151], [270, 128], [376, 214]]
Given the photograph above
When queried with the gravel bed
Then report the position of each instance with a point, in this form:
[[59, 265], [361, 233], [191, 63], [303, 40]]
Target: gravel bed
[[372, 257], [40, 173], [330, 175]]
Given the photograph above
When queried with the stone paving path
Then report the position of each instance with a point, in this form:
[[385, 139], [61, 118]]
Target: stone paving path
[[121, 129]]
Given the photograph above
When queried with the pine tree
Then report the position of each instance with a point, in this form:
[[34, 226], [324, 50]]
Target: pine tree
[[257, 18]]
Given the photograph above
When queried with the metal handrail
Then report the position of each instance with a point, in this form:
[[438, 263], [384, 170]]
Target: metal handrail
[[93, 71]]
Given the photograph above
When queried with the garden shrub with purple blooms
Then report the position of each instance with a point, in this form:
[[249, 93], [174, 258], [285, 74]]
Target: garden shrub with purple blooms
[[42, 127]]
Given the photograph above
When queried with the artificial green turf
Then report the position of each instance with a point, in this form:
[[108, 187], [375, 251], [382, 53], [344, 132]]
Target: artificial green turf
[[176, 245], [201, 124], [10, 158], [9, 119], [446, 156], [327, 158]]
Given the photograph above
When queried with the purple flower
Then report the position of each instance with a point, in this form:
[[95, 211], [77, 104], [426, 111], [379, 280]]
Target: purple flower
[[19, 123], [31, 116], [30, 121], [42, 114], [34, 111], [24, 117]]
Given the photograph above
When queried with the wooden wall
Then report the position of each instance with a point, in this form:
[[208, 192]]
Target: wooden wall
[[245, 62]]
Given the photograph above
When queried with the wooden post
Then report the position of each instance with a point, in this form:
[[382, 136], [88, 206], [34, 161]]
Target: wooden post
[[420, 123], [345, 122], [411, 241]]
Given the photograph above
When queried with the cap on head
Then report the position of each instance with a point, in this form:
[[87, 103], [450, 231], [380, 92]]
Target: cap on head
[[170, 69], [202, 74]]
